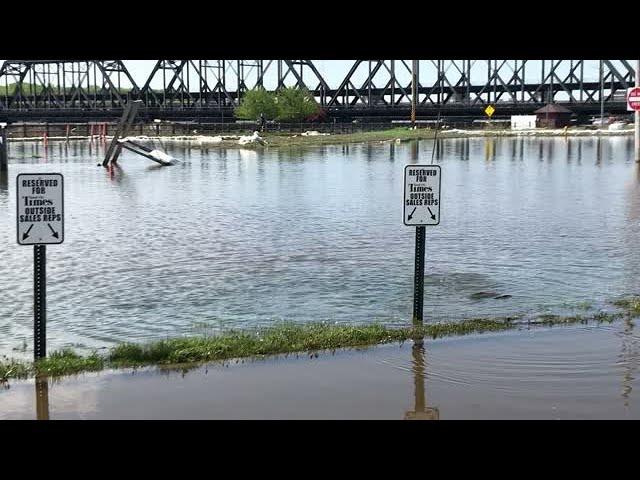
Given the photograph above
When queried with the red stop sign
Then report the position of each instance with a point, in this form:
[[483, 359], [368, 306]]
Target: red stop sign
[[633, 98]]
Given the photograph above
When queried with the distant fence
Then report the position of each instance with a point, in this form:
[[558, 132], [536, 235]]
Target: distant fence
[[86, 129]]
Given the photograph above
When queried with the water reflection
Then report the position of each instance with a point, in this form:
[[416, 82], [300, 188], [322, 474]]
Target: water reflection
[[489, 149], [42, 398], [369, 152], [115, 173], [580, 152], [415, 150], [540, 155], [4, 182], [628, 358], [421, 411]]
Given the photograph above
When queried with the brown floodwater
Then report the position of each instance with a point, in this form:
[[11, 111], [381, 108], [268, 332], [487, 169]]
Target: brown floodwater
[[585, 372]]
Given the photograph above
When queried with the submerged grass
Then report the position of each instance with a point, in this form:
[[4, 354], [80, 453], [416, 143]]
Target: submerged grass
[[286, 338], [392, 134], [61, 362], [600, 317], [66, 362], [10, 368], [630, 305], [277, 139], [283, 339]]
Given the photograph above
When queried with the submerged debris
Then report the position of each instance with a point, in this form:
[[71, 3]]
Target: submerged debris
[[255, 138], [479, 295], [161, 156], [313, 133]]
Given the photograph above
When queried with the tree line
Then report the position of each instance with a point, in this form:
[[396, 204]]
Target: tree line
[[286, 104]]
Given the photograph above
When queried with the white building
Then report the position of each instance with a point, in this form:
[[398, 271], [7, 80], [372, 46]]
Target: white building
[[523, 122]]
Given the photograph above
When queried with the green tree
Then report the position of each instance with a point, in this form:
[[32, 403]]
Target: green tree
[[257, 101], [295, 104]]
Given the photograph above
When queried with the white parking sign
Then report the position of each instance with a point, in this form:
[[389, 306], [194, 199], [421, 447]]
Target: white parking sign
[[421, 195], [40, 208]]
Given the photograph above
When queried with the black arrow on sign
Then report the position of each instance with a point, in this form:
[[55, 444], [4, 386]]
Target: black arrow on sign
[[53, 232], [433, 217], [25, 235], [411, 214]]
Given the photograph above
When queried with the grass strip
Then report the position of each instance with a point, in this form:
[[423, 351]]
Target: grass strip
[[282, 339]]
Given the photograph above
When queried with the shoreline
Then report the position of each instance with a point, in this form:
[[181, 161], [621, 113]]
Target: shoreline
[[283, 339], [397, 135], [545, 373]]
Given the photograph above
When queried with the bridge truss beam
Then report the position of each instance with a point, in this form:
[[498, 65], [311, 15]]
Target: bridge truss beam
[[381, 86]]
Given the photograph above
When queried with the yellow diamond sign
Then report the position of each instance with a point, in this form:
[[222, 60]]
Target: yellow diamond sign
[[489, 111]]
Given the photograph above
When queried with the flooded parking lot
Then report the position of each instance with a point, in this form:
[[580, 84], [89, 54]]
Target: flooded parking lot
[[236, 238]]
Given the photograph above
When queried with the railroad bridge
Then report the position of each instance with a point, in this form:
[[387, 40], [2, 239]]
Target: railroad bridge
[[368, 90]]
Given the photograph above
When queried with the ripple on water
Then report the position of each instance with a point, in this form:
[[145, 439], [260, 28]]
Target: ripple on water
[[569, 362]]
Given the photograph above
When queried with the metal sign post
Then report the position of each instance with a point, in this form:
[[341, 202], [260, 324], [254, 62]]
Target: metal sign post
[[418, 275], [4, 155], [40, 221], [39, 301], [421, 208]]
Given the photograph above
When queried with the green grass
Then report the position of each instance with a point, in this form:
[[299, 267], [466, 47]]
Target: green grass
[[66, 362], [286, 338], [600, 317], [402, 133], [10, 368], [283, 339], [275, 139], [630, 305], [59, 363]]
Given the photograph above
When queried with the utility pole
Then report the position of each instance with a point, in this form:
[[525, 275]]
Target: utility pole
[[414, 91], [4, 151], [637, 116], [601, 94]]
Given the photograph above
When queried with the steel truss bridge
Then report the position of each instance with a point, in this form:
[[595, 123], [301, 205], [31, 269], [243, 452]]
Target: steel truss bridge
[[209, 90]]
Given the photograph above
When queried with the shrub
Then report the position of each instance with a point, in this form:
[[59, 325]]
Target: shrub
[[295, 104], [255, 102]]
